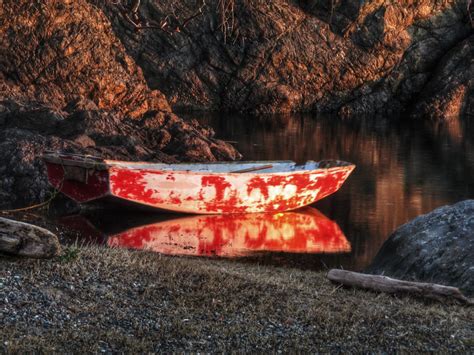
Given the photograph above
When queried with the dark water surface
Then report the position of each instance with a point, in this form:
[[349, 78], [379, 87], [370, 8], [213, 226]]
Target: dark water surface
[[403, 170]]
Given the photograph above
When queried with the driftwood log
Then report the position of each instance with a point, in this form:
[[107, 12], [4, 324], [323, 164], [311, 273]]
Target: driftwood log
[[23, 239], [389, 285]]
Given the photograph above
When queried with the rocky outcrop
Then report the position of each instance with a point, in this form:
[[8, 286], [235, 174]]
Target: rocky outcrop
[[353, 57], [55, 52], [437, 247], [23, 239], [67, 83]]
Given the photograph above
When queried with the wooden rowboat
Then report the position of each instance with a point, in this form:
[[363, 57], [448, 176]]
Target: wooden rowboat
[[212, 188]]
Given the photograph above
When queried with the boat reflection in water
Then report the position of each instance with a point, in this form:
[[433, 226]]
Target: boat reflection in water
[[302, 231]]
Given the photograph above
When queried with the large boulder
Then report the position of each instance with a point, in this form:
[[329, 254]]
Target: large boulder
[[436, 247], [27, 240]]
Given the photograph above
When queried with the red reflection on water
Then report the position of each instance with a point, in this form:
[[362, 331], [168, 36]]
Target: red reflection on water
[[302, 231]]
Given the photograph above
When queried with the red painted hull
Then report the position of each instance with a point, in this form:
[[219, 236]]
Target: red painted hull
[[199, 192]]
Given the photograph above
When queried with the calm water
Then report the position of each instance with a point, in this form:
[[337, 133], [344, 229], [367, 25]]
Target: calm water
[[403, 170]]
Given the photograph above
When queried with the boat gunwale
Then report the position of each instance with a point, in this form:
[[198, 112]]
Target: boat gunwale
[[261, 173], [88, 162]]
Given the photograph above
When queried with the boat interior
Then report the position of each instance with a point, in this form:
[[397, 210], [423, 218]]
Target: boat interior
[[267, 166], [234, 167]]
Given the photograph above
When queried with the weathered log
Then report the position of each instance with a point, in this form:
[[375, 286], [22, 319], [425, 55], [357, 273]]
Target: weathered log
[[389, 285], [24, 239]]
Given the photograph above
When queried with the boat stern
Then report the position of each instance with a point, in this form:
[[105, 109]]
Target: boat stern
[[81, 178]]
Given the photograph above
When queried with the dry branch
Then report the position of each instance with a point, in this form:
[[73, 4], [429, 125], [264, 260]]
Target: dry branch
[[389, 285]]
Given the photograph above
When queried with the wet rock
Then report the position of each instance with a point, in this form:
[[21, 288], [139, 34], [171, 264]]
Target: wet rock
[[437, 247], [27, 240], [354, 57]]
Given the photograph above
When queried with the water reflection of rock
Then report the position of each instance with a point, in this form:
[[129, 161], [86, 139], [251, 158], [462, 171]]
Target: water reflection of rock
[[403, 169], [302, 231]]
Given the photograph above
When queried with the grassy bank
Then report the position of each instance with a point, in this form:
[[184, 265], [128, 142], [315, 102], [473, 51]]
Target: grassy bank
[[94, 299]]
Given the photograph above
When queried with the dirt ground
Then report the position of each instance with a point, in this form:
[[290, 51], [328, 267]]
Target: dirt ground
[[93, 299]]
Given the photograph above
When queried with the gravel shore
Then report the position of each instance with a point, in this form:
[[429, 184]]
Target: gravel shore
[[94, 299]]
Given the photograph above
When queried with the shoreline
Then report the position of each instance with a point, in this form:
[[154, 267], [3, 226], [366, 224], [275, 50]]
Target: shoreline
[[97, 299]]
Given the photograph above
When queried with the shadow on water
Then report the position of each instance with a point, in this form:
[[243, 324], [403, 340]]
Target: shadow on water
[[403, 170]]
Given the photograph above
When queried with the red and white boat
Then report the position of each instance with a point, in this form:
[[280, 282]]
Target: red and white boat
[[210, 188]]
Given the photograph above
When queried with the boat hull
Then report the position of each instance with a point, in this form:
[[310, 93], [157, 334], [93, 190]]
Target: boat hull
[[196, 191]]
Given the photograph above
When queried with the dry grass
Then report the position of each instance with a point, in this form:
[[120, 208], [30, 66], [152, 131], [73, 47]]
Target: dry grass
[[94, 299]]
